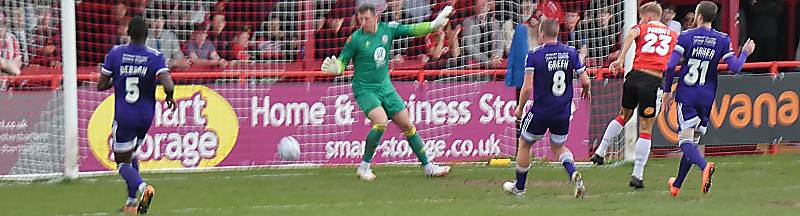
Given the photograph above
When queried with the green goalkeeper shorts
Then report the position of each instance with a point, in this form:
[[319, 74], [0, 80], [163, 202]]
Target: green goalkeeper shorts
[[385, 97]]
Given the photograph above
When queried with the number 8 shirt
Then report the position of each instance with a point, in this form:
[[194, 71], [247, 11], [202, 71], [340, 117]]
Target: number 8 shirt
[[553, 67]]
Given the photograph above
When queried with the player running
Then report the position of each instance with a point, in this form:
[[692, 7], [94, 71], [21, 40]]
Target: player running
[[654, 42], [702, 48], [368, 47], [132, 70], [549, 69]]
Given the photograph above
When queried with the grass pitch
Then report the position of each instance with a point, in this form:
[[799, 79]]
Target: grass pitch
[[743, 185]]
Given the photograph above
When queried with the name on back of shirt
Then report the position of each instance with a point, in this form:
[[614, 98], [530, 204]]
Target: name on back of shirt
[[703, 53], [662, 31], [132, 70], [557, 61]]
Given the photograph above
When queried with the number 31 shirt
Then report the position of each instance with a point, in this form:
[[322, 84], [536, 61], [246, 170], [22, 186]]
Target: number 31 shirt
[[702, 50]]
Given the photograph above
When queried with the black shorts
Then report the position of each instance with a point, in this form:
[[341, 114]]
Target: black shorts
[[641, 89]]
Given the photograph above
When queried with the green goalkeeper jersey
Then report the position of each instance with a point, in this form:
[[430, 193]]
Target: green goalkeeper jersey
[[370, 53]]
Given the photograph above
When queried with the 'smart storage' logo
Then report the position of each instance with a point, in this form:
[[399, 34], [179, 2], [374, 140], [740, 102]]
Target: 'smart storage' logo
[[200, 132]]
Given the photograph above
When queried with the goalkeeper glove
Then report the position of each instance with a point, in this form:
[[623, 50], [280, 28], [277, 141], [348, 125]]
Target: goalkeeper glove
[[441, 19], [331, 65]]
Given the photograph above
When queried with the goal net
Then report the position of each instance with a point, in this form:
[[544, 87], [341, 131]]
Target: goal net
[[248, 81]]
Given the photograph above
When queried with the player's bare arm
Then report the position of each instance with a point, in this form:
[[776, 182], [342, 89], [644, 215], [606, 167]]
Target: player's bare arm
[[586, 85], [104, 82], [169, 89], [524, 94], [619, 64]]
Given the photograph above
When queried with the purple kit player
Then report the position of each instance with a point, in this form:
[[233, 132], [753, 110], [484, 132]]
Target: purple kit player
[[549, 69], [702, 49], [132, 70]]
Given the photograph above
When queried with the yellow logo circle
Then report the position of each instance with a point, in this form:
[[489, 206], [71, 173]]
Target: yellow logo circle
[[172, 141]]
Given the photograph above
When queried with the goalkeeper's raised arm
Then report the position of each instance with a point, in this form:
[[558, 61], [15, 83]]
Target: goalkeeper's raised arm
[[383, 34]]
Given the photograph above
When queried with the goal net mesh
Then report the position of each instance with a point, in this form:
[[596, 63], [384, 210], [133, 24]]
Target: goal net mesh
[[259, 55]]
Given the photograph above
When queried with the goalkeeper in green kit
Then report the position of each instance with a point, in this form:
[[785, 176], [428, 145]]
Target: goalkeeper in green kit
[[368, 47]]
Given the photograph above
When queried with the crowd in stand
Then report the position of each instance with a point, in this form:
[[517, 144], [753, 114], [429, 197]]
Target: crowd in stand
[[220, 33]]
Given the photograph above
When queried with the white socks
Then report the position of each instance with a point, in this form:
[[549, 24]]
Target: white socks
[[642, 153], [612, 131], [523, 169], [364, 165], [566, 157]]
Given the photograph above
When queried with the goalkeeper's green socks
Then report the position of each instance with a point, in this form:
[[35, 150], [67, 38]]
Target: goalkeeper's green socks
[[417, 145], [373, 140]]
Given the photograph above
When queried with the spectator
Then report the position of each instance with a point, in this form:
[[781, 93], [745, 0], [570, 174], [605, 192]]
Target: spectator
[[574, 36], [242, 14], [275, 44], [442, 46], [202, 52], [185, 17], [601, 36], [219, 7], [122, 33], [31, 16], [239, 47], [667, 18], [97, 24], [167, 42], [319, 15], [10, 54], [410, 46], [764, 19], [380, 5], [417, 10], [119, 27], [137, 7], [17, 27], [44, 19], [532, 23], [504, 13], [120, 10], [688, 21], [480, 29], [413, 47], [394, 12], [46, 46], [331, 38], [217, 35], [195, 12], [505, 34]]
